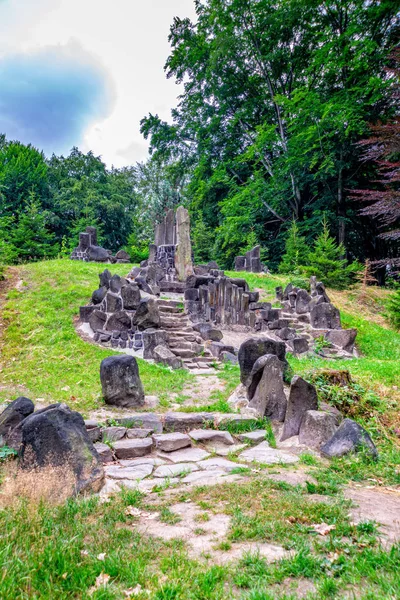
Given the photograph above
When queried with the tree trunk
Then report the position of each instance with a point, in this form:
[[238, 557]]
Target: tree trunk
[[341, 205]]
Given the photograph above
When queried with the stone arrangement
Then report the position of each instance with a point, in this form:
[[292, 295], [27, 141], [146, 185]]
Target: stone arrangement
[[170, 257], [89, 251], [250, 262], [124, 317], [262, 367], [307, 317]]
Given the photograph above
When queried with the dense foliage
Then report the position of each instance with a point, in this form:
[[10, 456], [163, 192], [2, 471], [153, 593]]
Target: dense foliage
[[276, 95]]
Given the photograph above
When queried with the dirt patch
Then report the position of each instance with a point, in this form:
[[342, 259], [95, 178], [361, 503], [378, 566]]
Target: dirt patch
[[199, 391], [205, 535], [382, 506]]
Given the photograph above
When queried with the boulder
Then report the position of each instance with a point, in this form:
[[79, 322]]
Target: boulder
[[119, 321], [10, 419], [349, 437], [130, 295], [316, 428], [99, 295], [266, 393], [113, 302], [342, 338], [252, 349], [298, 345], [104, 451], [217, 347], [208, 332], [325, 316], [115, 284], [164, 356], [147, 314], [151, 339], [228, 357], [104, 278], [302, 398], [122, 255], [97, 254], [192, 295], [57, 436], [97, 320], [303, 299], [120, 381]]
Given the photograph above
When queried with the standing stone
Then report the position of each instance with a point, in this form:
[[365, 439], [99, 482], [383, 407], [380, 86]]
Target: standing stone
[[119, 321], [120, 381], [57, 436], [349, 437], [113, 302], [130, 295], [252, 349], [84, 241], [10, 418], [316, 428], [183, 253], [97, 320], [92, 231], [170, 228], [240, 263], [105, 278], [325, 316], [269, 398], [303, 299], [302, 397], [151, 339]]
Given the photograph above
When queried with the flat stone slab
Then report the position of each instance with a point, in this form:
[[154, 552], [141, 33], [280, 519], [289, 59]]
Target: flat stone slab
[[211, 435], [204, 477], [136, 472], [264, 454], [253, 436], [144, 460], [186, 455], [169, 442], [113, 434], [133, 448], [180, 421], [138, 433], [219, 463], [142, 420], [175, 470], [228, 450], [104, 452]]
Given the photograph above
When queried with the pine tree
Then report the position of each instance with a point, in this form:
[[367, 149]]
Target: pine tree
[[327, 261], [203, 240], [31, 236], [393, 309], [296, 251]]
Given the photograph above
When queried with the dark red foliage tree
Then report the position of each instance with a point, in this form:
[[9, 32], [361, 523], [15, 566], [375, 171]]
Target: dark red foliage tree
[[383, 150]]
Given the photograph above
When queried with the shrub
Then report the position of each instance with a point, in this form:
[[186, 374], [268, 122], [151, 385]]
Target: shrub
[[327, 261], [296, 251], [393, 309]]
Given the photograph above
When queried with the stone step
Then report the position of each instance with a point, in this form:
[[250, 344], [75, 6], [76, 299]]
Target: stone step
[[170, 324], [183, 352], [169, 303], [205, 359], [167, 310], [180, 320]]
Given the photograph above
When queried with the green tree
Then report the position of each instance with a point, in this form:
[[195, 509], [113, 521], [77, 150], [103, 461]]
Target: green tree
[[327, 261], [296, 251], [393, 309]]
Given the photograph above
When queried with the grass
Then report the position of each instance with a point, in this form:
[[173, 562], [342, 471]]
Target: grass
[[43, 358], [61, 551]]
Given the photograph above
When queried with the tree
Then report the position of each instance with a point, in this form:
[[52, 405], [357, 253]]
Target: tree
[[296, 251], [382, 149], [326, 261]]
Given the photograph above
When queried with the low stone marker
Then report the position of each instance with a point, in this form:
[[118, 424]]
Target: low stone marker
[[349, 437], [120, 381], [302, 397]]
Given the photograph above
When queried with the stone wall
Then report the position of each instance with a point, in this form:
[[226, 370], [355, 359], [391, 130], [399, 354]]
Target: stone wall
[[250, 262]]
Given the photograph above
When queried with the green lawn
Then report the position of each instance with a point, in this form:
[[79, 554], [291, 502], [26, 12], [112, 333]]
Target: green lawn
[[41, 354]]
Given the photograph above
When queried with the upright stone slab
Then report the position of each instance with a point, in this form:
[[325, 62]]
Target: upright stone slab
[[302, 397], [240, 263], [252, 349], [92, 231], [120, 381], [325, 316], [183, 252], [268, 398], [151, 339], [170, 228], [302, 303]]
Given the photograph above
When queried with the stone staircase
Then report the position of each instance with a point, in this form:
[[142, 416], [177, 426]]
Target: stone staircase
[[183, 340]]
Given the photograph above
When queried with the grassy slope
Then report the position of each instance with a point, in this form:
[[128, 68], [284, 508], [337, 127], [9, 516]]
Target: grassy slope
[[41, 354]]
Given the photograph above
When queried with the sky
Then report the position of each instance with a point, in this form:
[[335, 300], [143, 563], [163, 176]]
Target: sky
[[85, 72]]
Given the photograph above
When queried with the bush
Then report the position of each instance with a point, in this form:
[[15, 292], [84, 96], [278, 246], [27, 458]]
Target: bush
[[327, 263], [296, 251], [393, 309]]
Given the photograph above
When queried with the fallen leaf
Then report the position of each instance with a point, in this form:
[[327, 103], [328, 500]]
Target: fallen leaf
[[64, 575], [84, 553], [101, 556], [135, 591], [101, 581], [132, 511], [65, 389], [322, 528]]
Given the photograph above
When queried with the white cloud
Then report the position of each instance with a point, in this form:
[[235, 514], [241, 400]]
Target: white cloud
[[127, 37]]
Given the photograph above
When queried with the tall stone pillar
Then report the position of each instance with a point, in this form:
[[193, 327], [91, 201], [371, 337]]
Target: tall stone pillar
[[183, 252]]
